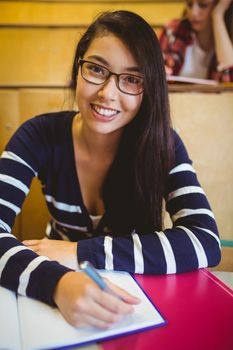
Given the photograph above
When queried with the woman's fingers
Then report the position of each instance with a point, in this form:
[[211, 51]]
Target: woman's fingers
[[109, 303], [82, 302], [31, 242], [90, 306], [63, 252], [123, 294]]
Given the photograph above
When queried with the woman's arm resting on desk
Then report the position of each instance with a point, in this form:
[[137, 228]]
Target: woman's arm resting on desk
[[63, 252]]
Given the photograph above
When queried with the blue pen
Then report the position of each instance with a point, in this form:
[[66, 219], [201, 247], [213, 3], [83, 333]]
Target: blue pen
[[89, 269]]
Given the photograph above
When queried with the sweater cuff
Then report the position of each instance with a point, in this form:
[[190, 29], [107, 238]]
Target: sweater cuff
[[93, 251], [43, 282]]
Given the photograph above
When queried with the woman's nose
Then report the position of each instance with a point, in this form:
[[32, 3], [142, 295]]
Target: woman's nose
[[109, 88], [195, 10]]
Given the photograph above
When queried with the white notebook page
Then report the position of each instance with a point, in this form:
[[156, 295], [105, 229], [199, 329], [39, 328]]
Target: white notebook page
[[9, 324], [43, 327]]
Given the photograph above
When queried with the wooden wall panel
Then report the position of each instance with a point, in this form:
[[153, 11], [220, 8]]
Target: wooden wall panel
[[226, 263], [9, 121], [38, 101], [82, 13], [16, 106], [35, 214], [33, 102], [9, 114], [205, 123], [37, 57]]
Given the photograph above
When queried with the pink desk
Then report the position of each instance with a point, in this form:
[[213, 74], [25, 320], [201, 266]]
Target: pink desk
[[198, 308]]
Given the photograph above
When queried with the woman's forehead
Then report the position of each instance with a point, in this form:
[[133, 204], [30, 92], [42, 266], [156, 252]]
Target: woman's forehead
[[111, 48]]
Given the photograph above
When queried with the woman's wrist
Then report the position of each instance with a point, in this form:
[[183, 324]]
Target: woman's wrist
[[61, 287], [220, 9], [218, 13]]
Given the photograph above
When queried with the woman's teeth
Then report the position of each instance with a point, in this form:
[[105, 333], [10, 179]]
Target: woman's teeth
[[105, 112]]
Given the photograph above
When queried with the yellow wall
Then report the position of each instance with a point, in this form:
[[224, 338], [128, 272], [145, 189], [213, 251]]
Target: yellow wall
[[38, 39], [81, 13], [205, 123]]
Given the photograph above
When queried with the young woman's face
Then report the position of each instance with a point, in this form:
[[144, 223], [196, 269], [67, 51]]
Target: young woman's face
[[104, 108], [199, 13]]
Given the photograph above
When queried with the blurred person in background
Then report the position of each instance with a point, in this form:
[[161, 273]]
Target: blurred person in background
[[200, 44]]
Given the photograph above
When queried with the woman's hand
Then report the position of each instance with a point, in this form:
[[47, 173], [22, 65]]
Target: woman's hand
[[221, 7], [83, 303], [63, 252]]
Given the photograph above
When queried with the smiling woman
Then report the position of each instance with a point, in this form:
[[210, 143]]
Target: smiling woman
[[106, 170]]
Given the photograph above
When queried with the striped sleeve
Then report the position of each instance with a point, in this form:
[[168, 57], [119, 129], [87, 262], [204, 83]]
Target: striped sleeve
[[21, 270], [191, 243]]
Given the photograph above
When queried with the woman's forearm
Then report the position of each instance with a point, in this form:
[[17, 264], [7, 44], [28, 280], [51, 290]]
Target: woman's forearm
[[223, 43]]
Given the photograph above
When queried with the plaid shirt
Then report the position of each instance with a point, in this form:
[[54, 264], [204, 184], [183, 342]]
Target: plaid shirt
[[174, 40]]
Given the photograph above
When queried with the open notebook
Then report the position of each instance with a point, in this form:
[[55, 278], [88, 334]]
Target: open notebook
[[190, 80], [28, 324]]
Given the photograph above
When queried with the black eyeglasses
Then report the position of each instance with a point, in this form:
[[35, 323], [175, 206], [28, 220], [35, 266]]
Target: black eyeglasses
[[96, 74]]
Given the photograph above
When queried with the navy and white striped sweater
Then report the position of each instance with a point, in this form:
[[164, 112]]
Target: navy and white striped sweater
[[43, 147]]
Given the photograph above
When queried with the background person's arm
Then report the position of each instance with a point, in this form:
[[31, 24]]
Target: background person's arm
[[223, 42]]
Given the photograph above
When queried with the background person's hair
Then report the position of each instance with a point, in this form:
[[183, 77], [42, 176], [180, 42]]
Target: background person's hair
[[229, 20], [134, 189]]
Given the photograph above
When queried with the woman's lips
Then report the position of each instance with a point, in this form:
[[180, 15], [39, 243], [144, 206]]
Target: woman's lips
[[104, 113]]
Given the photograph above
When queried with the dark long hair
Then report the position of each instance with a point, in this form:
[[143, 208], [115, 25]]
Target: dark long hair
[[228, 17], [134, 188]]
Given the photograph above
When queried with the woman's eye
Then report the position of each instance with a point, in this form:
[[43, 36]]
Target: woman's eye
[[96, 69], [130, 79], [203, 6]]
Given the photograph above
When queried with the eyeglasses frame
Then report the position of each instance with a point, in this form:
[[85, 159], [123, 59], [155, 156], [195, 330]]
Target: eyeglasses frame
[[81, 62]]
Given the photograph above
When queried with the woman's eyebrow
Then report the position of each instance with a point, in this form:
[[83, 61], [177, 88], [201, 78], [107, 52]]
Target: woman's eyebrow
[[99, 59], [102, 61]]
